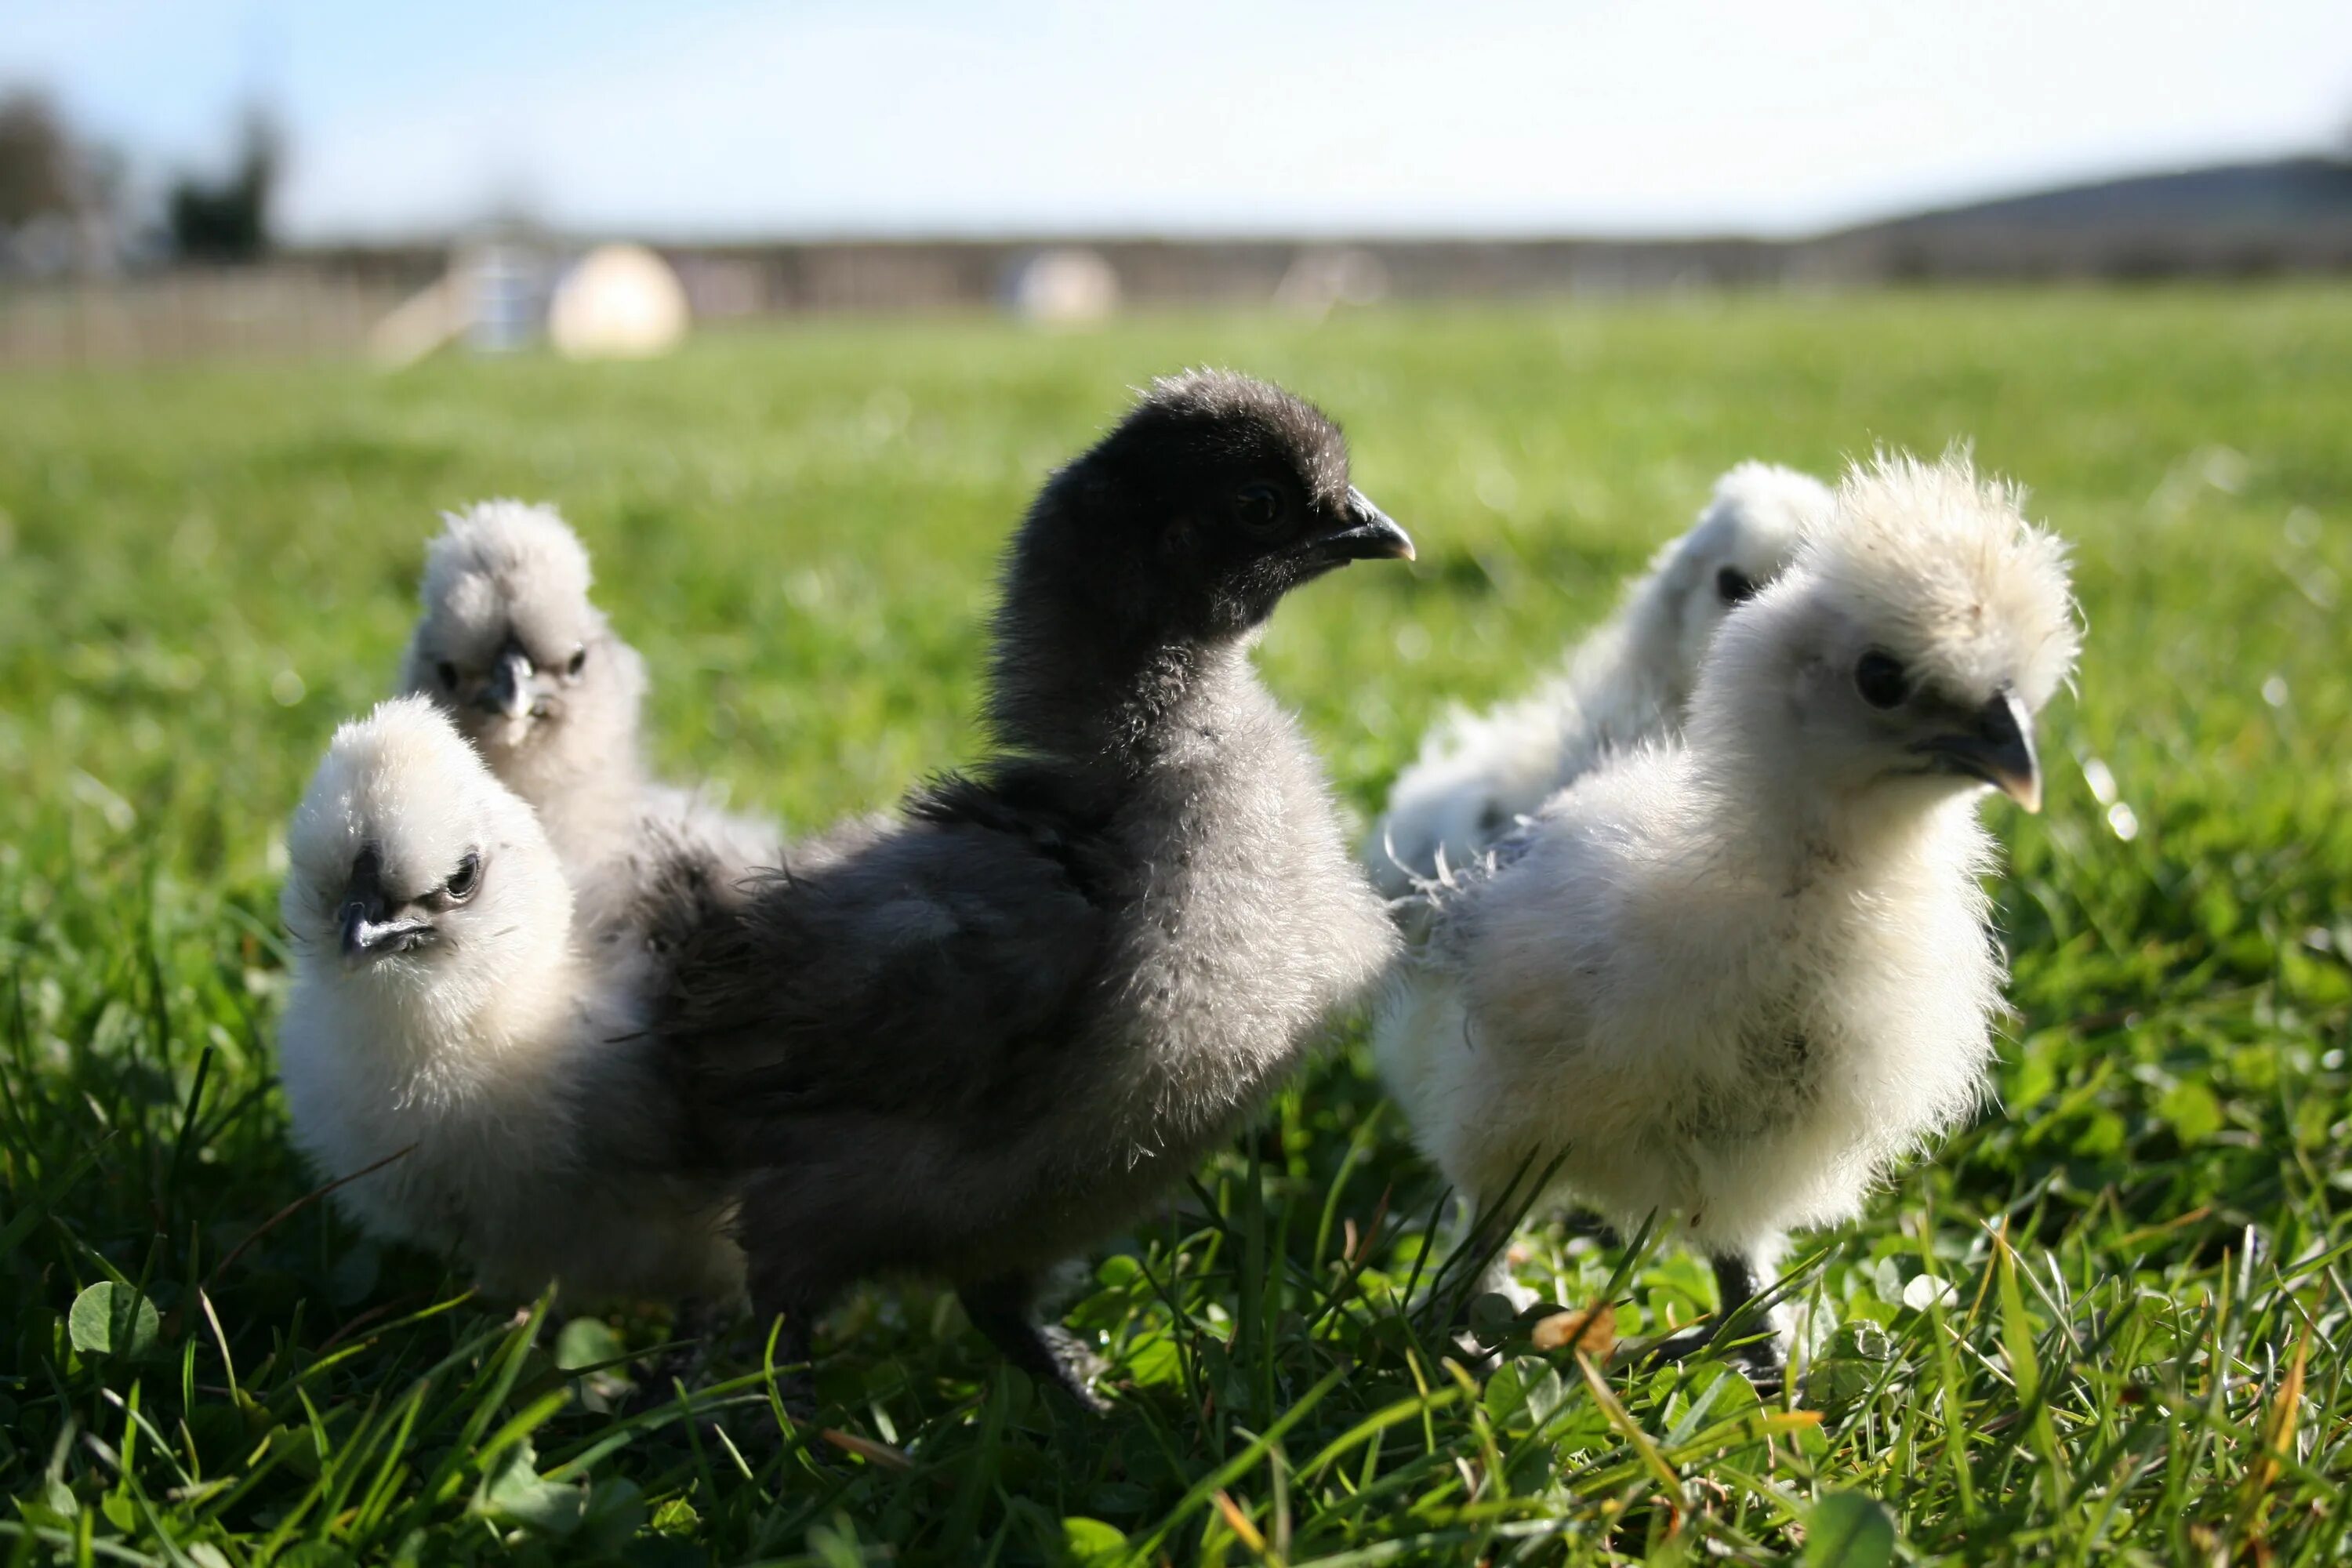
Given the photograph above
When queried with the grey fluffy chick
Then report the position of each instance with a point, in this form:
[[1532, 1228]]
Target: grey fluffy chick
[[1734, 979], [444, 1003], [511, 647], [1626, 682], [970, 1041]]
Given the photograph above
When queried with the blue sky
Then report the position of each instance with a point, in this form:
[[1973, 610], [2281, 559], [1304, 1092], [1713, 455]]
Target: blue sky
[[1643, 116]]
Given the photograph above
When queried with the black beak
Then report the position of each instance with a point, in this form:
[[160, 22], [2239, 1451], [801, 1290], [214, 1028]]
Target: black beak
[[367, 935], [1370, 535], [1998, 748], [508, 689], [364, 938]]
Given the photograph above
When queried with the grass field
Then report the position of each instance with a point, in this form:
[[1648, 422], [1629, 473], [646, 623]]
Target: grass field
[[2105, 1319]]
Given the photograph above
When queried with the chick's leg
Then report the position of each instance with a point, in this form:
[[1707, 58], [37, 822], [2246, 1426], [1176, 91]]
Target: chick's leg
[[693, 1328], [1736, 1283], [700, 1326], [795, 1358], [790, 1308], [1003, 1309], [796, 1265]]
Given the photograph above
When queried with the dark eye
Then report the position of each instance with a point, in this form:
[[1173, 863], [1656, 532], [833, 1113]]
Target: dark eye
[[1733, 586], [579, 658], [448, 673], [1881, 680], [1258, 508], [464, 879]]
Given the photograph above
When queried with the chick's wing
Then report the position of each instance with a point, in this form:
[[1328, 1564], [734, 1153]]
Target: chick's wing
[[926, 972]]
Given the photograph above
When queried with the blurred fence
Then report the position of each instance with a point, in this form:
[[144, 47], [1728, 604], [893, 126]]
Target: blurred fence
[[2286, 218], [274, 312], [327, 303]]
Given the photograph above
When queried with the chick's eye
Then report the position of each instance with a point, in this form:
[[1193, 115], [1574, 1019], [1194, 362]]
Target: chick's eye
[[464, 879], [1731, 584], [579, 660], [448, 674], [1881, 679], [1258, 508]]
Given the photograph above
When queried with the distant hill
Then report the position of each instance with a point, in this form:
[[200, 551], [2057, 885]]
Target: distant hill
[[2286, 215], [2285, 190]]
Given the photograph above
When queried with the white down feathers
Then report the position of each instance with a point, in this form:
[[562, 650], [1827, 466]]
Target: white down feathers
[[1626, 682], [1735, 977], [513, 1071], [504, 575]]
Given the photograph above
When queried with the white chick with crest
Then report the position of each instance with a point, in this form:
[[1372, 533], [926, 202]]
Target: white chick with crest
[[447, 1025], [1732, 979], [510, 647], [1626, 682]]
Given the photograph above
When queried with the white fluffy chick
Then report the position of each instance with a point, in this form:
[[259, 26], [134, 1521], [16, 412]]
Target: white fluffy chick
[[443, 1006], [1732, 979], [511, 647], [1628, 681]]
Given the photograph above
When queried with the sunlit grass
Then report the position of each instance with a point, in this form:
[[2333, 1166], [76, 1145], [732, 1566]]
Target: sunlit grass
[[2102, 1319]]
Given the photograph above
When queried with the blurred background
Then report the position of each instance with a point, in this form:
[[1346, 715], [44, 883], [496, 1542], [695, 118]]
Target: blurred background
[[278, 282], [255, 178]]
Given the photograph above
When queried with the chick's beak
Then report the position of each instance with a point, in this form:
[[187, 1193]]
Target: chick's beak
[[1370, 535], [370, 932], [364, 938], [508, 692], [1997, 748]]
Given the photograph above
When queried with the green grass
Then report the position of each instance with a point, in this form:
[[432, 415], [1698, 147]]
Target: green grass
[[203, 570]]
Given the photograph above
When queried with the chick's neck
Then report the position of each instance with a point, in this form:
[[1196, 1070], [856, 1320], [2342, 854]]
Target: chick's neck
[[446, 1029], [1774, 820], [1088, 692]]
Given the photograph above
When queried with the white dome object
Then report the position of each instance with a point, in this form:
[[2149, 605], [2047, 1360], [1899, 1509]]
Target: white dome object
[[1321, 277], [1066, 287], [621, 301]]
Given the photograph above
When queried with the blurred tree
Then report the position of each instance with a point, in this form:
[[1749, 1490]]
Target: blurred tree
[[38, 177], [61, 198], [230, 221]]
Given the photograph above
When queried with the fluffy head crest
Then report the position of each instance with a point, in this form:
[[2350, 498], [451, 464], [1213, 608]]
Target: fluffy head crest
[[499, 560], [1943, 567], [1756, 515], [402, 790], [1740, 542], [1237, 415], [403, 782], [510, 647]]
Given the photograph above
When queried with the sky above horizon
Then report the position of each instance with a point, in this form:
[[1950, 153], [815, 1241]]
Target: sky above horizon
[[705, 120]]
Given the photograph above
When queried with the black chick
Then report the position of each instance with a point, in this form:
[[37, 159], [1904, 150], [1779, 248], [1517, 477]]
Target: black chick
[[971, 1041]]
